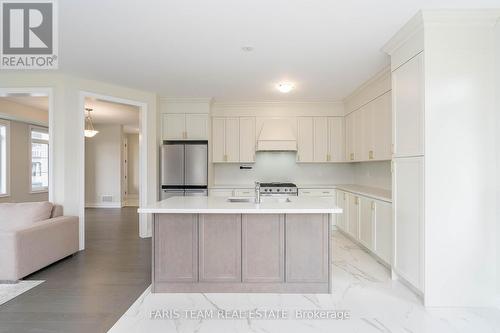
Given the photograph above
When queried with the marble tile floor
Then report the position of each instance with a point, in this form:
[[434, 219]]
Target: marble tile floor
[[11, 291], [362, 287]]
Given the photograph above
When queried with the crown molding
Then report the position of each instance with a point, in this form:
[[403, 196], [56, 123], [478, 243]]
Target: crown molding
[[443, 17], [271, 103], [208, 100], [386, 71]]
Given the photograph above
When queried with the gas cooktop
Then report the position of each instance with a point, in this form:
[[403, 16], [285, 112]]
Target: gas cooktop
[[278, 188]]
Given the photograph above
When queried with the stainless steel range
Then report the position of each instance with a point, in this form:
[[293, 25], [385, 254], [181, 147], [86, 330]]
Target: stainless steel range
[[278, 189]]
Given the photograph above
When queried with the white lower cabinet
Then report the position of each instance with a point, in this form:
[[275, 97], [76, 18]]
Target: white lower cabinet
[[353, 224], [367, 221], [383, 230], [220, 192]]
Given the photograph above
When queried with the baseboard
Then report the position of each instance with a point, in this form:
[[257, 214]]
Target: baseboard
[[104, 205]]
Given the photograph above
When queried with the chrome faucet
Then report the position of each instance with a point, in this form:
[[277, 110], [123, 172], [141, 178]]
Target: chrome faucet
[[257, 192]]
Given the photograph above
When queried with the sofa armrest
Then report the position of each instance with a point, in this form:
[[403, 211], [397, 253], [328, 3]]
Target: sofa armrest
[[43, 243]]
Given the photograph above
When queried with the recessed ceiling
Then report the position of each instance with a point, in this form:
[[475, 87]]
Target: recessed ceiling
[[114, 113], [194, 48]]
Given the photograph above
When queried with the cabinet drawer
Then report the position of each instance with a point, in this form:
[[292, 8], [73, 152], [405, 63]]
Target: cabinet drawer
[[244, 192], [317, 192], [220, 192]]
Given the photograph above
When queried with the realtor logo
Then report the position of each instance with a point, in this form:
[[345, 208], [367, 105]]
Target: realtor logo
[[29, 36]]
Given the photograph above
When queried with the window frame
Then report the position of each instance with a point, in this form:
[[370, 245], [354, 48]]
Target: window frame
[[31, 128], [6, 123]]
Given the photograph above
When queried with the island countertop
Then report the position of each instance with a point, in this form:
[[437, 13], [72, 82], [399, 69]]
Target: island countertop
[[221, 205]]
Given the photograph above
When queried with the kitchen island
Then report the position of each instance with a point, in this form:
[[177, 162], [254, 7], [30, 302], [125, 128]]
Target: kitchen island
[[209, 244]]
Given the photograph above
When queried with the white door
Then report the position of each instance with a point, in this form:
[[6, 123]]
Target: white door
[[196, 127], [305, 138], [408, 108], [353, 226], [366, 222], [232, 140], [336, 139], [383, 231], [173, 126], [218, 140], [408, 197], [320, 142], [247, 139]]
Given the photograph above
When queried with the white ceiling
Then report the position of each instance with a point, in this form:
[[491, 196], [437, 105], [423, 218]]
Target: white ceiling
[[114, 113], [193, 48]]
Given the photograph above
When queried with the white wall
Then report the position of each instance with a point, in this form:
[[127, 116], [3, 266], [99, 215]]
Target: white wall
[[103, 160], [282, 167], [133, 164], [373, 174], [460, 163], [20, 164], [497, 84], [67, 133]]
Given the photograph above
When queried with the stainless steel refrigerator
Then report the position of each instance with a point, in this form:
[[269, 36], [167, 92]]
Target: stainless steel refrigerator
[[184, 168]]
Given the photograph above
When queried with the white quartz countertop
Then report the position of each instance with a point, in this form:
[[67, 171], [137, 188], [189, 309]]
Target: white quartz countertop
[[221, 205], [372, 192]]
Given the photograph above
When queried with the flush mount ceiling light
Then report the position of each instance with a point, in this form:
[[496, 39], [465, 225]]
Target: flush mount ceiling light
[[285, 87], [90, 132]]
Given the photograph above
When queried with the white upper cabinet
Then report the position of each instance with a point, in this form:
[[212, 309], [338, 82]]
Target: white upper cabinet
[[305, 139], [173, 126], [368, 132], [321, 139], [382, 128], [233, 139], [218, 140], [349, 136], [247, 139], [408, 108], [184, 126], [196, 126], [336, 139]]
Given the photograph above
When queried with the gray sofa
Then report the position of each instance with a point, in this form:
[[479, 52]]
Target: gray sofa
[[32, 236]]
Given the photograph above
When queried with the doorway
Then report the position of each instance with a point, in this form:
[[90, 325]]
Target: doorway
[[113, 175]]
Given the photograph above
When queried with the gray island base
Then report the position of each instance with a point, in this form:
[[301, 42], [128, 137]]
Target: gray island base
[[207, 244], [248, 253]]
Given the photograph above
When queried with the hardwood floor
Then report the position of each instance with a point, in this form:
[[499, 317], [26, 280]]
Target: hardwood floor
[[89, 291]]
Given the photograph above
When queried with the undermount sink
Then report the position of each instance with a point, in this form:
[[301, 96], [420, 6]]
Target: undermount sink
[[241, 199], [262, 199]]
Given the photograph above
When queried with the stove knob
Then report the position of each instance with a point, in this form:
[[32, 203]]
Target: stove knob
[[278, 190]]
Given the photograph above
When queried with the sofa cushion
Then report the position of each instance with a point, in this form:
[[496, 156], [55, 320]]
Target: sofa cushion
[[18, 215]]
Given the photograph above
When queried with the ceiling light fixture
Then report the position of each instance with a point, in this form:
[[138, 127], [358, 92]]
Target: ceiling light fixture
[[90, 132], [285, 87], [247, 48]]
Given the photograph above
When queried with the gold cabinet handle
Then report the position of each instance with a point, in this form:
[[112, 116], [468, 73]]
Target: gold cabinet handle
[[352, 156], [373, 205], [328, 157], [356, 200], [370, 154], [225, 158]]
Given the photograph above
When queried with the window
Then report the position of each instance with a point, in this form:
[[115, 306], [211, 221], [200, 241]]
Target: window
[[4, 156], [39, 159]]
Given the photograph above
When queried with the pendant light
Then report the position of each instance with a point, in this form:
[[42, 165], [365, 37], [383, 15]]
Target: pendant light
[[89, 127]]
